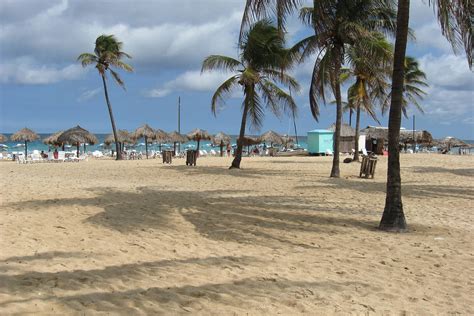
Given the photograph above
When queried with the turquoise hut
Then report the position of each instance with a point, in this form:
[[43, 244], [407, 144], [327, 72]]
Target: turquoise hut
[[320, 141]]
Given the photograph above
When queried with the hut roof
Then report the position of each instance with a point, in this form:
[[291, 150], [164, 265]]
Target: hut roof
[[271, 137], [452, 142], [376, 132], [144, 131], [176, 137], [199, 134], [122, 135], [161, 136], [53, 139], [77, 135], [3, 138], [221, 138], [249, 141], [346, 130], [421, 137], [24, 134]]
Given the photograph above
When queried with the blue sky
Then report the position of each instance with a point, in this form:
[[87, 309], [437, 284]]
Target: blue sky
[[44, 88]]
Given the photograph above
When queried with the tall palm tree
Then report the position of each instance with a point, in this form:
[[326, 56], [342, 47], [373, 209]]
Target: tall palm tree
[[414, 80], [260, 68], [108, 53], [455, 18], [339, 24], [370, 66]]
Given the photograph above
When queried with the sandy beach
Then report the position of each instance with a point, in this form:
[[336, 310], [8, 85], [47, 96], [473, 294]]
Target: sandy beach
[[278, 237]]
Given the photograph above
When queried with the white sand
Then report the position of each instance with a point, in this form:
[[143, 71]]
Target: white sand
[[138, 237]]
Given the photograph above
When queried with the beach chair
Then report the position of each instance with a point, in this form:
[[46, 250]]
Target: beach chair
[[61, 156], [21, 159], [364, 152], [329, 152]]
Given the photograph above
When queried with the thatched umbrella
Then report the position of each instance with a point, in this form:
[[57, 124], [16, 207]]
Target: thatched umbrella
[[175, 138], [77, 136], [3, 138], [287, 140], [198, 135], [123, 137], [249, 141], [271, 137], [25, 135], [52, 140], [161, 137], [221, 139], [147, 133], [421, 137], [449, 142]]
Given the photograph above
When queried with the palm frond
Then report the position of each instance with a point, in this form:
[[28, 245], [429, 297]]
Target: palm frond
[[222, 92], [220, 62]]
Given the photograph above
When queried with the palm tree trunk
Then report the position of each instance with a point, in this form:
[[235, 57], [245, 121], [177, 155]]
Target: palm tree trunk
[[146, 147], [337, 134], [393, 218], [112, 121], [356, 144], [350, 117], [238, 151]]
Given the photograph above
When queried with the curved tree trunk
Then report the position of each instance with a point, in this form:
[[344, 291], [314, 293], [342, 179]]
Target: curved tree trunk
[[356, 144], [112, 121], [238, 151], [393, 218], [146, 147], [337, 134]]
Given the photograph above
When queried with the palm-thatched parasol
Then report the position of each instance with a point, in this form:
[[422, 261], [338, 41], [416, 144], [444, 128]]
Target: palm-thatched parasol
[[287, 140], [161, 137], [198, 135], [249, 141], [449, 142], [271, 137], [3, 138], [77, 136], [123, 137], [52, 139], [176, 137], [221, 139], [147, 133], [25, 135]]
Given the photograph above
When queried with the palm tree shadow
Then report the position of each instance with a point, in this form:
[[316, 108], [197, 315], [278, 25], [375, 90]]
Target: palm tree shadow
[[242, 295], [466, 172], [223, 215]]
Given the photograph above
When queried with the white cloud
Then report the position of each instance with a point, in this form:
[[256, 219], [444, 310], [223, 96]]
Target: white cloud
[[88, 94], [26, 71], [190, 80]]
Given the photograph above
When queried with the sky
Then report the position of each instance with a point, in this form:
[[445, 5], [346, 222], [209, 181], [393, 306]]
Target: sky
[[43, 87]]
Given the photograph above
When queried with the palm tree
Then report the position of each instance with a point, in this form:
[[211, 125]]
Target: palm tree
[[108, 53], [412, 83], [339, 24], [455, 18], [370, 66], [259, 70]]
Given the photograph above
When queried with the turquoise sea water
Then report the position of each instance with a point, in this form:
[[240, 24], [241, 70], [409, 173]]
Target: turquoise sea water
[[38, 145]]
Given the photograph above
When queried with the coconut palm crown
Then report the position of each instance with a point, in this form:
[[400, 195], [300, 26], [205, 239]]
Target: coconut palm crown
[[259, 70]]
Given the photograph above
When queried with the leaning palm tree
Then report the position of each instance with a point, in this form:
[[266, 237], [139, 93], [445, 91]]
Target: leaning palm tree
[[455, 18], [337, 25], [370, 66], [108, 53], [261, 66], [414, 81]]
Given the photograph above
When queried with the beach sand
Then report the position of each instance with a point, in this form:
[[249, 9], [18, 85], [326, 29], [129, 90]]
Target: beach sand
[[277, 237]]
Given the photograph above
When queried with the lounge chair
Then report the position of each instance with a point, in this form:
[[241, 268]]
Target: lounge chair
[[329, 152], [364, 152]]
